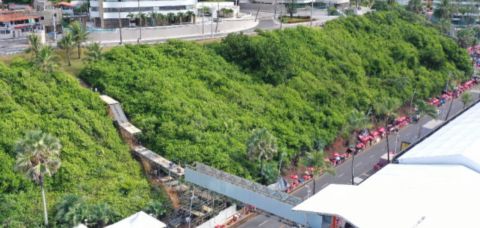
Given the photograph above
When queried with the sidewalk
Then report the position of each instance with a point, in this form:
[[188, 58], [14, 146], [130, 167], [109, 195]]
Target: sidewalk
[[155, 34]]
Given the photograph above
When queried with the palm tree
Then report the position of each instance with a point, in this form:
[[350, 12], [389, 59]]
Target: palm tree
[[385, 110], [444, 10], [355, 123], [38, 155], [451, 84], [94, 52], [466, 98], [415, 6], [160, 19], [143, 19], [191, 17], [80, 35], [71, 211], [180, 16], [425, 109], [153, 17], [171, 18], [35, 44], [100, 215], [131, 16], [46, 59], [262, 146], [156, 208], [316, 160], [67, 43]]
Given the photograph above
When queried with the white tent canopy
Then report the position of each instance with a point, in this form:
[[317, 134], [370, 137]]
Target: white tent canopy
[[404, 196], [140, 220], [458, 142]]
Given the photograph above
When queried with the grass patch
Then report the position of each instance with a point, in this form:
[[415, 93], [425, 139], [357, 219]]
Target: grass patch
[[295, 19]]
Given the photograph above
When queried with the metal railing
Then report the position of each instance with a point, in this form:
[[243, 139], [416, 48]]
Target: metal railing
[[244, 183]]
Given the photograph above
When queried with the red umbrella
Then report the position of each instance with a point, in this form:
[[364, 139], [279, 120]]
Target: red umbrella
[[360, 145], [336, 154], [294, 176], [381, 130]]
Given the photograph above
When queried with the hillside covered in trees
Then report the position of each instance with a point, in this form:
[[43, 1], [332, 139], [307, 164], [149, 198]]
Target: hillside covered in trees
[[201, 103], [95, 164]]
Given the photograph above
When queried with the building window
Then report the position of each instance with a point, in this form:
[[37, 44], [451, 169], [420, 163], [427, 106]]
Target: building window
[[128, 9], [95, 9], [172, 7]]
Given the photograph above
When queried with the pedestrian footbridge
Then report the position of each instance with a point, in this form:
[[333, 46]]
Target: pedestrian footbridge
[[252, 193]]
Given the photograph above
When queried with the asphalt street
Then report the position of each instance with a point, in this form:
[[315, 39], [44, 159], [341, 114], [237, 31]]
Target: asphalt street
[[363, 162]]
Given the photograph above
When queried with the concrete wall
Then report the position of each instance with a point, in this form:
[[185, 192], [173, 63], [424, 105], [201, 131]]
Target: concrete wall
[[246, 196], [221, 218]]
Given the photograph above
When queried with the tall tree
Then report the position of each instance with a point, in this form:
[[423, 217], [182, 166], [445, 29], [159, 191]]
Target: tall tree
[[444, 10], [180, 16], [34, 45], [38, 156], [262, 146], [100, 215], [291, 7], [415, 6], [466, 37], [46, 59], [67, 43], [156, 208], [451, 85], [356, 122], [316, 160], [71, 211], [425, 109], [94, 52], [80, 35], [385, 110], [466, 98]]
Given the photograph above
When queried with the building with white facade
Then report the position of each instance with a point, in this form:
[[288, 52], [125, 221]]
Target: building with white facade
[[112, 13]]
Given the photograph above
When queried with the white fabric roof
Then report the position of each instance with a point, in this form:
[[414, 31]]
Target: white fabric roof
[[404, 196], [138, 220], [458, 142]]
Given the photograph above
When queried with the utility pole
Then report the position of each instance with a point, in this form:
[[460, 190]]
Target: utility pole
[[311, 14], [189, 218], [218, 18], [281, 12], [211, 26], [140, 22], [54, 27], [274, 9], [353, 174], [120, 23]]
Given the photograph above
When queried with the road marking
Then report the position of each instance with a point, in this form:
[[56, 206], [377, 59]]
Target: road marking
[[358, 164], [264, 222]]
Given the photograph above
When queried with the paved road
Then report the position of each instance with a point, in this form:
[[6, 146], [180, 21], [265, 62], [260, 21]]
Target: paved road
[[363, 163]]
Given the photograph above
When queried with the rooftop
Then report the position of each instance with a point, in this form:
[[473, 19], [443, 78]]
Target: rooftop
[[456, 143], [404, 196]]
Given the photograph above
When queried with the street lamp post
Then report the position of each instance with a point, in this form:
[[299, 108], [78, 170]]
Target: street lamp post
[[311, 14], [353, 173], [120, 22], [140, 22]]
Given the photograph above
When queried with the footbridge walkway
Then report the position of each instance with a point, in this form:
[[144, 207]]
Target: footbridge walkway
[[129, 131], [249, 192]]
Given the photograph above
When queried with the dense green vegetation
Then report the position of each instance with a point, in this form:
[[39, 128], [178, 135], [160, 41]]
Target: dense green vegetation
[[96, 165], [198, 103]]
